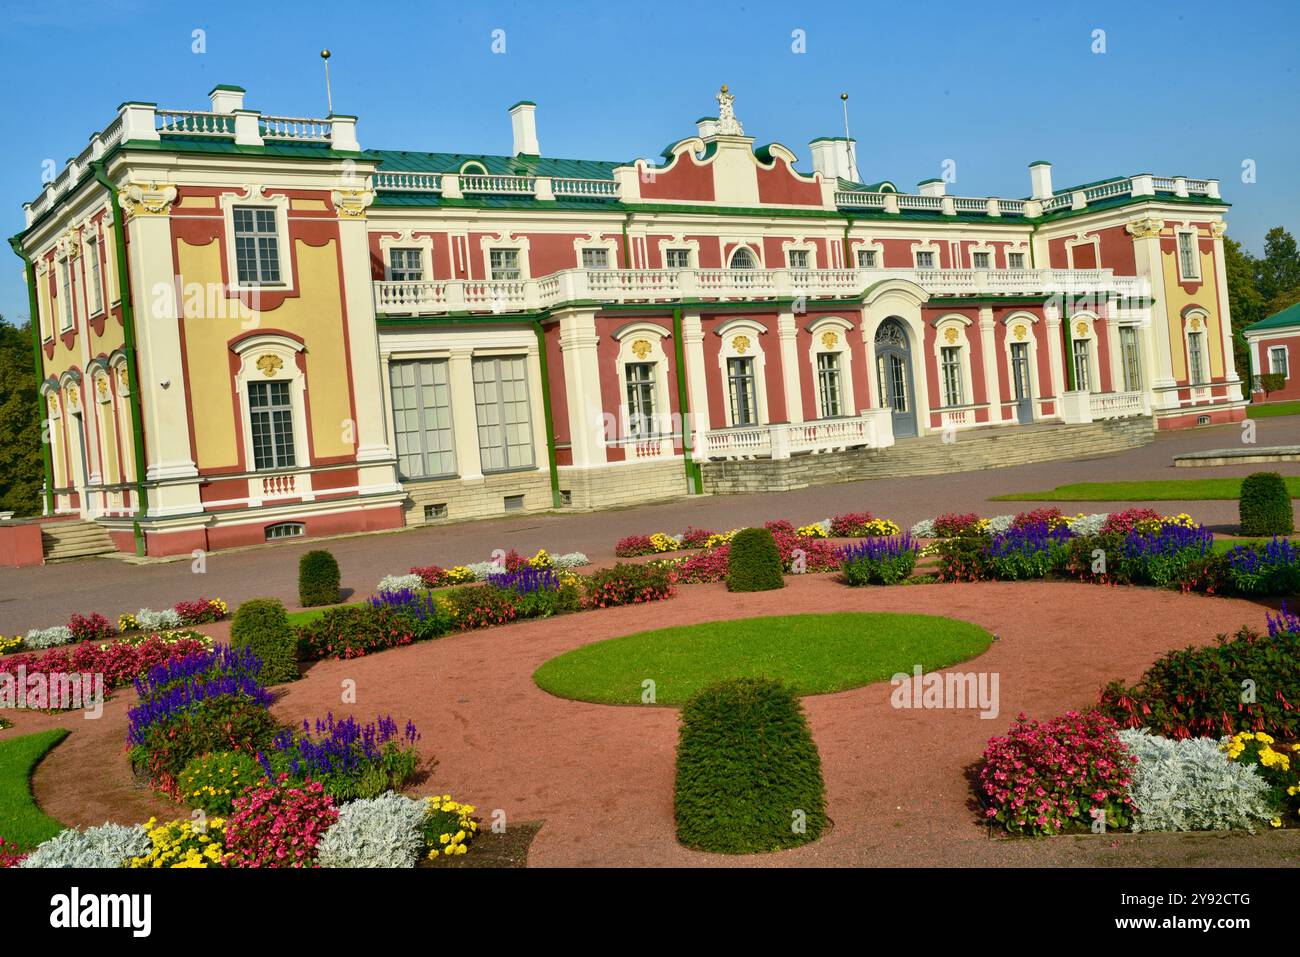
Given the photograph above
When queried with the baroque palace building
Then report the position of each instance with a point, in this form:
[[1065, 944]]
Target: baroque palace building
[[247, 327]]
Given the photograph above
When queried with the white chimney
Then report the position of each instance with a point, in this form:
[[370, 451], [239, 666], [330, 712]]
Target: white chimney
[[226, 98], [523, 123], [1040, 179], [707, 126], [835, 156], [932, 187]]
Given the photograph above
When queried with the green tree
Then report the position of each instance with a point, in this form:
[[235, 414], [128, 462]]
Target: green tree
[[1245, 304], [21, 467], [1279, 270]]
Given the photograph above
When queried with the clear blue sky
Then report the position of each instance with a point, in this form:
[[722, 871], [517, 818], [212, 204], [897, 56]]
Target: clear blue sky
[[1188, 88]]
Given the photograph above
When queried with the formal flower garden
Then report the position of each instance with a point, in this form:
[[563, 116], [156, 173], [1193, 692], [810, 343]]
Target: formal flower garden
[[1205, 738]]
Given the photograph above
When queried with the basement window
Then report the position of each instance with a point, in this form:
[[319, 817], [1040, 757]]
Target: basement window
[[434, 512], [566, 497], [285, 530], [514, 503]]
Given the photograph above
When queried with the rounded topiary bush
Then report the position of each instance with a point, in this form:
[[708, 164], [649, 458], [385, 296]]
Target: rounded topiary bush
[[263, 625], [1265, 505], [749, 778], [754, 562], [318, 579]]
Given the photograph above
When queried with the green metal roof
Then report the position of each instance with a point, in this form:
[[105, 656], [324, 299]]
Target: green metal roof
[[404, 161], [1290, 316]]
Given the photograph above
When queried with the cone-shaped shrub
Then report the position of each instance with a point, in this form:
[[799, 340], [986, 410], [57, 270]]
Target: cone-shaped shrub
[[1265, 505], [263, 625], [318, 579], [749, 778], [754, 563]]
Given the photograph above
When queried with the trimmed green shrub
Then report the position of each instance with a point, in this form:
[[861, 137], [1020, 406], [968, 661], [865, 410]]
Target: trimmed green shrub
[[754, 563], [263, 625], [318, 579], [749, 778], [1265, 505]]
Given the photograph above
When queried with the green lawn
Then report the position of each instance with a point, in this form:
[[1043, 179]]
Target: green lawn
[[21, 821], [814, 654], [1163, 490], [1269, 409], [1222, 545]]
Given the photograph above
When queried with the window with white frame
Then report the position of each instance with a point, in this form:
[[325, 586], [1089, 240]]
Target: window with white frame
[[866, 259], [1196, 357], [421, 396], [980, 260], [505, 431], [270, 412], [1083, 365], [96, 287], [405, 265], [743, 258], [595, 258], [830, 390], [1277, 361], [677, 259], [257, 245], [1188, 267], [66, 315], [796, 258], [741, 391], [503, 264], [950, 367], [924, 259], [640, 377], [1015, 260], [1131, 358]]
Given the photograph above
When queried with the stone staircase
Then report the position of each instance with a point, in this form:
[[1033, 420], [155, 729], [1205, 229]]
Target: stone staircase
[[974, 449], [65, 541]]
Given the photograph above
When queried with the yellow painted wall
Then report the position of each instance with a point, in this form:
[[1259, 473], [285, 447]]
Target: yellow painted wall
[[316, 317], [1177, 300]]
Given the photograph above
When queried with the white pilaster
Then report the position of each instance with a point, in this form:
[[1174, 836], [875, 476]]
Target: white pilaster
[[696, 374], [464, 421], [988, 351], [787, 333], [578, 341]]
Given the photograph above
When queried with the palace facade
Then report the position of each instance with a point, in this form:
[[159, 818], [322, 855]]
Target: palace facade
[[247, 327]]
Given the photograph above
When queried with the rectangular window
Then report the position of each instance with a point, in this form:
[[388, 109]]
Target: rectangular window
[[422, 418], [503, 263], [1083, 365], [1015, 260], [980, 260], [270, 410], [1131, 358], [797, 259], [677, 259], [65, 307], [405, 265], [640, 398], [950, 359], [1187, 264], [595, 259], [740, 387], [505, 431], [96, 289], [1277, 361], [1196, 357], [828, 384], [866, 259], [924, 259], [257, 245]]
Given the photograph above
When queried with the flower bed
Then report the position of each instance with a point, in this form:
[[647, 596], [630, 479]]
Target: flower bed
[[799, 554], [347, 758], [879, 561], [434, 576]]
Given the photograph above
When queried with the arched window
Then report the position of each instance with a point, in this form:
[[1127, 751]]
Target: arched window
[[743, 258]]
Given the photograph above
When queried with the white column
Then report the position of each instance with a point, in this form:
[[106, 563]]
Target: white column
[[697, 386], [1055, 361], [988, 350], [464, 418], [1112, 347], [869, 344], [787, 333], [1225, 318], [1146, 250], [578, 342]]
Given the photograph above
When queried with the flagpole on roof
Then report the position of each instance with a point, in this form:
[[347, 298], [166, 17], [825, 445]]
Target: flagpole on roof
[[853, 162], [329, 97]]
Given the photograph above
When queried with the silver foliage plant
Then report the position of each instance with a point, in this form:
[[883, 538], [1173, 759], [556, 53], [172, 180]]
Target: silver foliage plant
[[923, 529], [375, 832], [150, 620], [395, 583], [109, 845], [1192, 785], [1089, 525], [39, 638], [567, 560]]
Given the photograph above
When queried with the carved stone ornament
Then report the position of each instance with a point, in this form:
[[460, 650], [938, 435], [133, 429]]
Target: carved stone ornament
[[1195, 323], [728, 125], [641, 348], [146, 199], [1218, 229], [123, 380], [740, 344], [52, 403], [101, 387], [74, 400], [1081, 330], [352, 203], [830, 339], [950, 334], [1146, 228], [1020, 332], [269, 364]]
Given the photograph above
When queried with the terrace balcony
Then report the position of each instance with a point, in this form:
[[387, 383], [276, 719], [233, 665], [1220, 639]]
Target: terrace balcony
[[444, 297]]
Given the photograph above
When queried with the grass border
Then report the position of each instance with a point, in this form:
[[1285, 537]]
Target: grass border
[[21, 819]]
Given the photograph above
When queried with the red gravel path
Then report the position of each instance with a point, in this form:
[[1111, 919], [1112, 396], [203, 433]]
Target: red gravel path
[[602, 776]]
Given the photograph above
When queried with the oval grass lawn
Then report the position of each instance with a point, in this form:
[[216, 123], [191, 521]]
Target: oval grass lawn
[[813, 654]]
